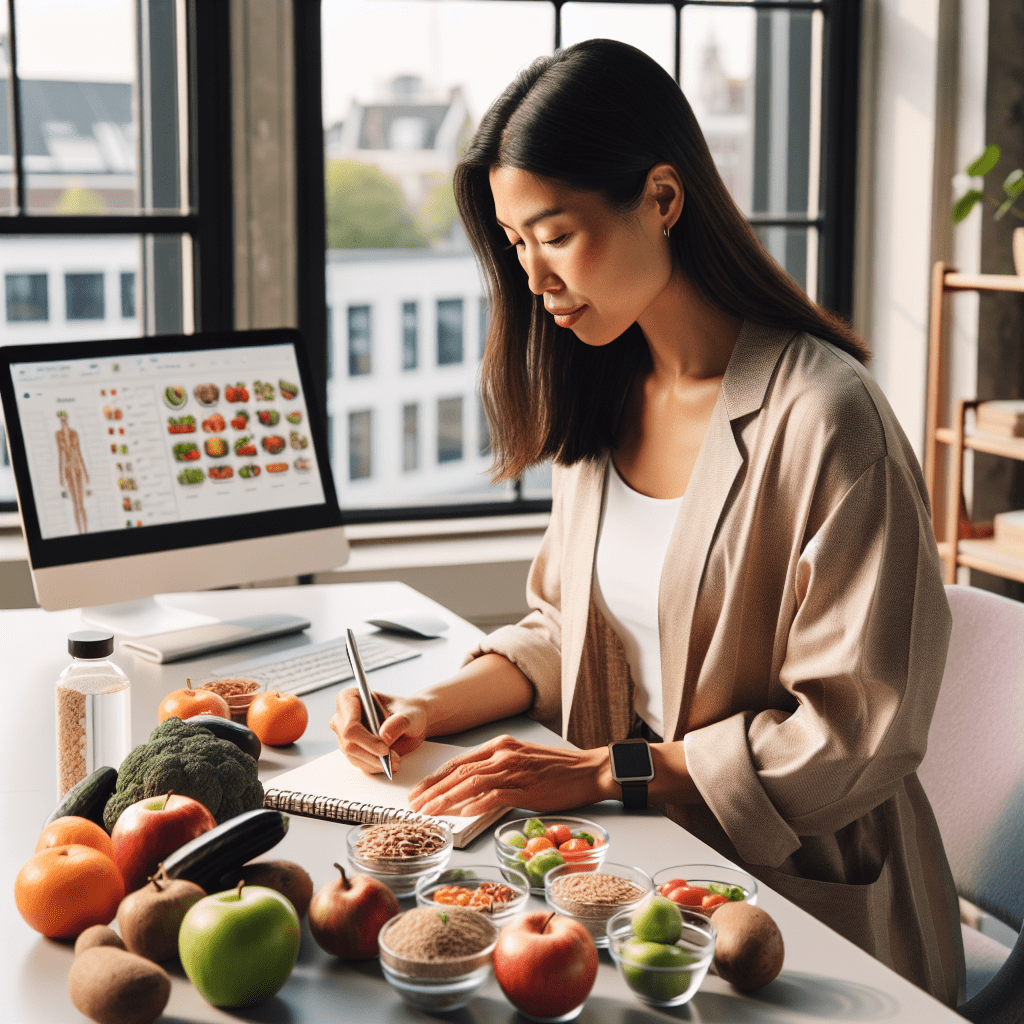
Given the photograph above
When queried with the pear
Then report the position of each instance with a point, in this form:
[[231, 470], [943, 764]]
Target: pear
[[657, 920], [288, 878], [150, 917]]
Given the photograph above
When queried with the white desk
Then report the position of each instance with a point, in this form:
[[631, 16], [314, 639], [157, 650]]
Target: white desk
[[825, 977]]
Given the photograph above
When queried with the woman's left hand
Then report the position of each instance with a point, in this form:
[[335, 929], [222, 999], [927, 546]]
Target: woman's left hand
[[506, 772]]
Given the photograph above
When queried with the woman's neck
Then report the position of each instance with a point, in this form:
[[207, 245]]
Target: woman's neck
[[689, 339]]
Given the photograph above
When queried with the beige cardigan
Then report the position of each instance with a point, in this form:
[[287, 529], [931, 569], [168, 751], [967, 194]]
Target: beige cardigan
[[803, 636]]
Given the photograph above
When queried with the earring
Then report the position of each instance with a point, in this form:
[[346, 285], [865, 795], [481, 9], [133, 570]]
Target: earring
[[665, 229]]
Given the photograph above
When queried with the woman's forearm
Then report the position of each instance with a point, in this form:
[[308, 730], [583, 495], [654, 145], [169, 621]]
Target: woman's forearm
[[488, 688], [672, 783]]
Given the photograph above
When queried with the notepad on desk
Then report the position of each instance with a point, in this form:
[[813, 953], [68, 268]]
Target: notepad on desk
[[333, 789]]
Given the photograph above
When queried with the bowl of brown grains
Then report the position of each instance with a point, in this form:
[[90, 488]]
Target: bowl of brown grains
[[239, 694], [399, 853], [501, 894], [592, 897], [436, 958]]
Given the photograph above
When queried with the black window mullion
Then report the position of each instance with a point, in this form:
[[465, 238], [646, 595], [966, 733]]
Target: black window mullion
[[14, 113]]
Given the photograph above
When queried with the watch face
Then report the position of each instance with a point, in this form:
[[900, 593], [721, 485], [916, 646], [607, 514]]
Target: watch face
[[631, 761]]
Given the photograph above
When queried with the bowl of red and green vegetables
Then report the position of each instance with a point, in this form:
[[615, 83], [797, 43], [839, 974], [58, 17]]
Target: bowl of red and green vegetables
[[536, 845]]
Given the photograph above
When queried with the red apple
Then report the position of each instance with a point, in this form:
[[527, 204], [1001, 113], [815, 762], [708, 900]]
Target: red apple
[[346, 916], [147, 831], [545, 963]]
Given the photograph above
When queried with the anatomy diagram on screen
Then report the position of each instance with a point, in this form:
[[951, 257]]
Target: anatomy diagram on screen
[[73, 473]]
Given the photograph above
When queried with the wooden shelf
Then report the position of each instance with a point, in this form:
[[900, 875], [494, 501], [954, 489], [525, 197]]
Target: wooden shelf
[[993, 444], [985, 556], [954, 282]]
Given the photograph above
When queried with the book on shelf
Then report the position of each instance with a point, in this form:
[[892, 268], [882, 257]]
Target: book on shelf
[[1009, 532], [1005, 418], [333, 789]]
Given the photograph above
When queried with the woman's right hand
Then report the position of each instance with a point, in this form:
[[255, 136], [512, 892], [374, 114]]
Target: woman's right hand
[[402, 731]]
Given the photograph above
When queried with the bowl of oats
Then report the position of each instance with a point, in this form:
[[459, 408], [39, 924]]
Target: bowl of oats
[[437, 958], [239, 694], [498, 893], [594, 897], [399, 853]]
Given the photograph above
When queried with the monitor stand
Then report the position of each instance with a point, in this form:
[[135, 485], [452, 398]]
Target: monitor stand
[[144, 618]]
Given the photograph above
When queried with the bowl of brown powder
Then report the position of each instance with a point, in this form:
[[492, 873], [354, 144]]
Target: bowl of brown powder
[[592, 897], [437, 958], [399, 853]]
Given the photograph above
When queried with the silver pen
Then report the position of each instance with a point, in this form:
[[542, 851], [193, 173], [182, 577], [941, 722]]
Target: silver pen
[[366, 698]]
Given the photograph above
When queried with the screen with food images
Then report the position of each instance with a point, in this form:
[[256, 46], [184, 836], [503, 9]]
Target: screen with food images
[[161, 438]]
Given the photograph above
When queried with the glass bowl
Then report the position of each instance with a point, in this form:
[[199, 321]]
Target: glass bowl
[[719, 879], [577, 894], [400, 873], [652, 976], [440, 985], [239, 694], [469, 879], [515, 857]]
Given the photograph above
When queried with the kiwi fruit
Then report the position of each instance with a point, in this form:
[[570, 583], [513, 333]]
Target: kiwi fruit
[[112, 986], [150, 918], [289, 879], [98, 935], [748, 949]]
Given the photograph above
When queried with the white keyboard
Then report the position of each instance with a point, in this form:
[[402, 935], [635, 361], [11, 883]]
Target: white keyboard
[[317, 665]]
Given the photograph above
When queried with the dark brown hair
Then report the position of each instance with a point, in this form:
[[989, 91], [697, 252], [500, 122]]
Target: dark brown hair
[[597, 117]]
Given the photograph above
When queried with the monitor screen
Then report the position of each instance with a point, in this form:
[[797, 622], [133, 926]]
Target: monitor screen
[[167, 444]]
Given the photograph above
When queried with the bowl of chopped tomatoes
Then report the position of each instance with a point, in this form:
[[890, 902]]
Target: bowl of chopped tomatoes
[[705, 887], [533, 846]]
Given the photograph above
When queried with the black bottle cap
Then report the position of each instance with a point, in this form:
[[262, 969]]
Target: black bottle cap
[[90, 643]]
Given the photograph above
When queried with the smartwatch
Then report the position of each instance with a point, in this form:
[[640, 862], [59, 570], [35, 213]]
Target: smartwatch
[[632, 769]]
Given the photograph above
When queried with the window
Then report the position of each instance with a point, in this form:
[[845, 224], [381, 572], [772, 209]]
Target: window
[[360, 444], [449, 332], [26, 297], [773, 85], [410, 437], [449, 430], [410, 341], [483, 429], [358, 340], [83, 296], [128, 296]]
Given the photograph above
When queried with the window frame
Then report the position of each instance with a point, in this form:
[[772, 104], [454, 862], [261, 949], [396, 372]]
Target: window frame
[[834, 221]]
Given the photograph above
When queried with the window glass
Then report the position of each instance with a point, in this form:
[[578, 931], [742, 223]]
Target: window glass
[[410, 337], [358, 340], [128, 294], [396, 116], [449, 332], [483, 430], [449, 429], [410, 437], [83, 296], [360, 444], [26, 297], [649, 27], [483, 312]]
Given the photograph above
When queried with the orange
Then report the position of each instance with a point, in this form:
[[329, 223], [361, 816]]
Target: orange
[[277, 718], [69, 829], [188, 702], [63, 890]]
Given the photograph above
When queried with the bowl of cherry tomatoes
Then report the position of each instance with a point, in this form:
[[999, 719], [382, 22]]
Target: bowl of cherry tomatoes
[[533, 846], [705, 887]]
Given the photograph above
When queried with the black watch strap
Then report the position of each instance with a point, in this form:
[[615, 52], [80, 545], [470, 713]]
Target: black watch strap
[[634, 795]]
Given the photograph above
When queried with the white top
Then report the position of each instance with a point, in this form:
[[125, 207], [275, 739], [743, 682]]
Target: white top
[[632, 541]]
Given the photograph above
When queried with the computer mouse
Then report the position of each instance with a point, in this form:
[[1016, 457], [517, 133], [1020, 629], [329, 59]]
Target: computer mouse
[[419, 624]]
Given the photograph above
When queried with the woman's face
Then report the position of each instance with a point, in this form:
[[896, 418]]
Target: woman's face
[[597, 269]]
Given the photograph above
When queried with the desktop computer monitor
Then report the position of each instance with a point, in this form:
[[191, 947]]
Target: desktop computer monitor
[[161, 464]]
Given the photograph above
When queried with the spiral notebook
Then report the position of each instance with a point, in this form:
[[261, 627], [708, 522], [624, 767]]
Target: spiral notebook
[[333, 789]]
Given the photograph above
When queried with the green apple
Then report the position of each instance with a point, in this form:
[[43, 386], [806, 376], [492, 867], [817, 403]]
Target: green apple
[[657, 920], [239, 946], [660, 985]]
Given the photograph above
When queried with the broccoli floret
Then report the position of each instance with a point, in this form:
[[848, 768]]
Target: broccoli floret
[[190, 760]]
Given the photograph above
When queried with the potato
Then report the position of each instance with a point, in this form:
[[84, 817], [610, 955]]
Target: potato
[[98, 935], [286, 877], [111, 986], [749, 949]]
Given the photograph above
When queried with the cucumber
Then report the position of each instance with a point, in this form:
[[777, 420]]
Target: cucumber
[[223, 728], [88, 798], [210, 860]]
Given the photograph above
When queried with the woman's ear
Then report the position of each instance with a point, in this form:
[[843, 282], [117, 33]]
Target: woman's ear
[[665, 187]]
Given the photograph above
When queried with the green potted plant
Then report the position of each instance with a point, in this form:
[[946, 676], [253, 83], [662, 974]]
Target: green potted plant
[[1013, 189]]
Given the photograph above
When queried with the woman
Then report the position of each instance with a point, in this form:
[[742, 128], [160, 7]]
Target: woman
[[740, 557]]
